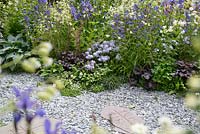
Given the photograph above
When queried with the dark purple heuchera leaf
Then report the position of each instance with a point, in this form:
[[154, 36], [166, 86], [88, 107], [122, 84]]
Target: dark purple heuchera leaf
[[142, 77], [68, 59], [185, 69]]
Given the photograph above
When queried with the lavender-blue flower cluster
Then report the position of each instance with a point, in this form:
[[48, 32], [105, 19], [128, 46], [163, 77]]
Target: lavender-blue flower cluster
[[85, 11], [100, 53]]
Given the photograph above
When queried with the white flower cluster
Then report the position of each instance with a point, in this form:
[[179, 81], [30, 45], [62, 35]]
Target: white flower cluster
[[126, 5], [60, 12]]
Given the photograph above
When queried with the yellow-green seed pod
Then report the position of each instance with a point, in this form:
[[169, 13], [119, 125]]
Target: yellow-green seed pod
[[43, 52], [59, 84], [47, 61], [46, 45], [191, 101], [194, 83], [35, 62], [196, 43], [51, 90], [28, 67], [44, 95]]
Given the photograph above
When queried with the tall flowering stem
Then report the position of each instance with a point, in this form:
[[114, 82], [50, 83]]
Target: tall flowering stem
[[22, 108]]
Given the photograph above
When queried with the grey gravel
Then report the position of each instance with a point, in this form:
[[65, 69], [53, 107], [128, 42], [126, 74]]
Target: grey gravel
[[75, 112]]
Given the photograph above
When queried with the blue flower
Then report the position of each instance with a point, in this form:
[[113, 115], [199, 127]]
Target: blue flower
[[86, 7], [36, 8], [40, 112], [47, 12], [74, 13], [27, 20], [16, 91], [17, 116], [69, 132], [103, 58], [42, 1], [24, 101], [47, 126]]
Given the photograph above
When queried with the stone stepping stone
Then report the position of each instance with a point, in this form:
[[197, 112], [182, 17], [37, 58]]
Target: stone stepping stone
[[122, 118], [37, 126]]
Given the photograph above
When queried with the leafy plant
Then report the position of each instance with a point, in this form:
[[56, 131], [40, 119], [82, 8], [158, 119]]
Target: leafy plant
[[12, 48], [70, 59], [51, 71]]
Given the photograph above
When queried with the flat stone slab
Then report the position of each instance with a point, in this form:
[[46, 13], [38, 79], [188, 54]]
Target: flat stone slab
[[37, 127], [122, 118]]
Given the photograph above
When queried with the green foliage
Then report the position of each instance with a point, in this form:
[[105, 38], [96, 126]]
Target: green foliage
[[112, 81], [71, 88], [150, 35], [13, 48], [162, 73], [77, 79], [51, 71]]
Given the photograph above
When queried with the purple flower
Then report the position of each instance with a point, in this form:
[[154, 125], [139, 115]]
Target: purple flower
[[86, 7], [40, 112], [47, 126], [24, 101], [69, 132], [29, 117], [96, 54], [103, 58], [17, 116], [42, 1], [16, 91], [27, 20], [36, 8], [156, 8], [180, 2], [47, 12], [90, 65], [74, 13], [89, 57]]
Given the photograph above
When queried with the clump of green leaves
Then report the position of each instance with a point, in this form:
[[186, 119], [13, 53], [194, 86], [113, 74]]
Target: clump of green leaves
[[52, 70], [12, 48]]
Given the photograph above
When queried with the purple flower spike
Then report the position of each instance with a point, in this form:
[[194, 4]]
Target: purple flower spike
[[40, 112], [17, 117], [47, 125], [24, 101], [69, 132], [29, 118], [27, 20], [16, 91], [74, 12], [42, 1]]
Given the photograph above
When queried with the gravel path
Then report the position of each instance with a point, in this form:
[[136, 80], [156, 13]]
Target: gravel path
[[75, 111]]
